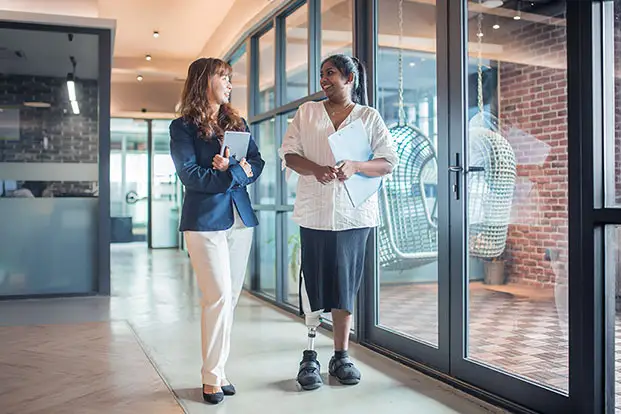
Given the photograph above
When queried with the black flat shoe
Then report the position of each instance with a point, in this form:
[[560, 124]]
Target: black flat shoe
[[215, 398], [228, 389]]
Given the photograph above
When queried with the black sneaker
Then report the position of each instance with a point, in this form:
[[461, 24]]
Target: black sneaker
[[309, 375], [343, 369]]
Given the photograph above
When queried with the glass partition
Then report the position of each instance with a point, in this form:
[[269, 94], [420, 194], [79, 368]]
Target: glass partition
[[49, 172]]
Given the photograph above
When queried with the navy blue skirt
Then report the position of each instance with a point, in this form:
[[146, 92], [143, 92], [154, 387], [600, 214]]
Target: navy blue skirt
[[332, 268]]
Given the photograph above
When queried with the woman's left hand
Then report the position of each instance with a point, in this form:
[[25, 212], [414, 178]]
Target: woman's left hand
[[346, 170]]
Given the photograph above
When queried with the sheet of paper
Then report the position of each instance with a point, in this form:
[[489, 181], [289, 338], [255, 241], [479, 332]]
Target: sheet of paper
[[352, 143]]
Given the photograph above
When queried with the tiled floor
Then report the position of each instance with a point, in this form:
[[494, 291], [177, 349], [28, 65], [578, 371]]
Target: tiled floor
[[518, 334]]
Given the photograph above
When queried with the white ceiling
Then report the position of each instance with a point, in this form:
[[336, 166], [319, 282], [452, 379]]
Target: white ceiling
[[187, 31]]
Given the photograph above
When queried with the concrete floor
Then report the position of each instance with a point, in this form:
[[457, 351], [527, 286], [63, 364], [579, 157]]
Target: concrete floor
[[156, 294]]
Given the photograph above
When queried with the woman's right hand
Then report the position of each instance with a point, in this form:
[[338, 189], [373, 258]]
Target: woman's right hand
[[221, 163], [325, 174]]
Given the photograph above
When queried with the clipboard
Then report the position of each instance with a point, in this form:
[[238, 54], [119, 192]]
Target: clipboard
[[352, 143], [237, 142]]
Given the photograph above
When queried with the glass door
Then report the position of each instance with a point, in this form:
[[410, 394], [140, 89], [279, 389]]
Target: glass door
[[128, 180], [509, 207], [408, 312], [471, 257], [165, 190]]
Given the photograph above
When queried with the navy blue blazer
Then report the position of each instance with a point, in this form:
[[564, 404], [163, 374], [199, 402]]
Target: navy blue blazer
[[210, 194]]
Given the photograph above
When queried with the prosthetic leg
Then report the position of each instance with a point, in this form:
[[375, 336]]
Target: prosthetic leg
[[309, 376], [313, 321]]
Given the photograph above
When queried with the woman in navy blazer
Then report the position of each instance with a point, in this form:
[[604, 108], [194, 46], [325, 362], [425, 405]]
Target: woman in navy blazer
[[217, 218]]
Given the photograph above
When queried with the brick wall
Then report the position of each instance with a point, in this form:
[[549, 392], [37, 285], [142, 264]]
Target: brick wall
[[533, 109], [71, 138]]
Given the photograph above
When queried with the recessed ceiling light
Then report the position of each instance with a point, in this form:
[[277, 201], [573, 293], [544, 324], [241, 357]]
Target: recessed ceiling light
[[139, 78], [517, 17], [412, 64], [148, 57], [496, 26], [156, 34], [480, 34]]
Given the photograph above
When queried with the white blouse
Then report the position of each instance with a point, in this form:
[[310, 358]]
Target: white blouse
[[327, 207]]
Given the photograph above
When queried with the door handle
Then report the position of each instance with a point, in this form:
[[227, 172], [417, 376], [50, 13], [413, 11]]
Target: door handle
[[457, 169]]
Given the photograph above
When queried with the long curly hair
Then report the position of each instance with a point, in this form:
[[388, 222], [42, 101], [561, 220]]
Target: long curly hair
[[195, 106]]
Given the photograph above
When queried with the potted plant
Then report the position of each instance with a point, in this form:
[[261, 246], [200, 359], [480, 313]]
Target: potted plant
[[494, 270]]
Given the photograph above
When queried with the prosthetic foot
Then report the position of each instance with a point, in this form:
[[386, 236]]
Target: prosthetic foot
[[309, 375]]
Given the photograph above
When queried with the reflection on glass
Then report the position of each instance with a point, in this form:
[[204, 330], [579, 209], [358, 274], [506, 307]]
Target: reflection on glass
[[297, 54], [517, 199], [336, 27], [291, 176], [266, 72], [408, 278], [267, 147], [267, 252], [239, 94], [292, 273]]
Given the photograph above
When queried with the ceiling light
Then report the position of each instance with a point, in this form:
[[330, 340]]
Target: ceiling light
[[71, 87], [517, 16], [480, 34], [139, 78], [496, 26], [156, 34], [412, 64], [148, 57], [492, 4], [75, 107]]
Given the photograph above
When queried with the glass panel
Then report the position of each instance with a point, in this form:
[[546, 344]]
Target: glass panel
[[517, 195], [292, 179], [266, 72], [292, 272], [613, 267], [613, 146], [165, 204], [49, 156], [239, 94], [297, 54], [408, 278], [128, 180], [336, 27], [267, 147], [267, 252]]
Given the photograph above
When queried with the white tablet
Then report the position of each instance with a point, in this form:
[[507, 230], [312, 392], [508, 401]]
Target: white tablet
[[237, 142]]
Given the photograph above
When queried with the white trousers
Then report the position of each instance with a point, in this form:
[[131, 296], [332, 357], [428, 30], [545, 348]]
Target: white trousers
[[219, 260]]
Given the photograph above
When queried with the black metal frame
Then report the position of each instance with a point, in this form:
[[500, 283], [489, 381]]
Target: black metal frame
[[101, 286], [591, 313]]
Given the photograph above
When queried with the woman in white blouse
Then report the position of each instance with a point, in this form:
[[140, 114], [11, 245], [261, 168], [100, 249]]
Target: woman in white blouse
[[333, 233]]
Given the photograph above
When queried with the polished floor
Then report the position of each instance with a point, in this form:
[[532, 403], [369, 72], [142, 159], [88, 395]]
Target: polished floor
[[155, 297], [82, 368]]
